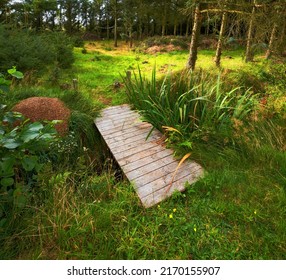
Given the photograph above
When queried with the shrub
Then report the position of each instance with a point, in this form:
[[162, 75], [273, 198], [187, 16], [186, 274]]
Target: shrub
[[62, 48], [31, 51]]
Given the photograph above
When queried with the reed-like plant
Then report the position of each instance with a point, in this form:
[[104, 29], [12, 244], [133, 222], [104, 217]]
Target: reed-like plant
[[187, 102]]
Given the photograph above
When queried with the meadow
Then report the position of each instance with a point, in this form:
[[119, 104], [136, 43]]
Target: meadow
[[82, 207]]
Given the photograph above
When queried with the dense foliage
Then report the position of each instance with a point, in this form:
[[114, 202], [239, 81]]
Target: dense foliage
[[30, 51]]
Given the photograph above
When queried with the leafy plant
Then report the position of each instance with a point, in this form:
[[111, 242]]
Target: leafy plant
[[22, 145], [4, 83]]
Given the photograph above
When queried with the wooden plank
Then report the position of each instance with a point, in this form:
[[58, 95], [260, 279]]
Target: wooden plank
[[122, 116], [108, 134], [126, 137], [143, 147], [161, 194], [134, 144], [139, 162], [115, 110], [145, 162], [155, 166], [120, 141], [117, 125], [141, 155]]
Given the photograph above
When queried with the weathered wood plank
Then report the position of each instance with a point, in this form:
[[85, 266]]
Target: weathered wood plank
[[108, 134], [120, 141], [134, 144], [149, 168], [142, 154], [145, 162], [118, 125], [163, 193]]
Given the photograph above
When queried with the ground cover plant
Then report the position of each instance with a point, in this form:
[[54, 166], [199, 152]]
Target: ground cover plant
[[80, 209]]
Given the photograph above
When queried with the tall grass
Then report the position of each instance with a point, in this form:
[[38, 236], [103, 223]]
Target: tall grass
[[191, 103]]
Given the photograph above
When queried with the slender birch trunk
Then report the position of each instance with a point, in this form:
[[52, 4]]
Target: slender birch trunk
[[271, 42], [195, 39], [115, 25], [248, 53], [220, 39]]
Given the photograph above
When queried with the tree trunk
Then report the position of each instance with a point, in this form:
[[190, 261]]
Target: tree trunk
[[175, 29], [248, 53], [220, 39], [107, 27], [115, 26], [130, 37], [164, 19], [195, 39], [271, 42], [281, 44], [69, 22], [188, 28]]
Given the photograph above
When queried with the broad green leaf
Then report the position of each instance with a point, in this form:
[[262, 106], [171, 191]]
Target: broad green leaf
[[7, 182], [11, 117], [6, 167], [12, 70], [5, 82], [2, 131], [2, 106], [11, 143], [29, 163], [17, 74], [29, 135], [36, 126]]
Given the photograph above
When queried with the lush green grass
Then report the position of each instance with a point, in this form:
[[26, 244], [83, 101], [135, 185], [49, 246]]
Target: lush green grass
[[81, 210], [102, 65], [230, 214]]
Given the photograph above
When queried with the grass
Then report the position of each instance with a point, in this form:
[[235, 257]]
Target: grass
[[102, 66], [80, 210]]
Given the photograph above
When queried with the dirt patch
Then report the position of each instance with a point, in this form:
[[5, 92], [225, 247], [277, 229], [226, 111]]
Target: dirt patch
[[207, 43], [45, 108], [159, 49], [105, 100]]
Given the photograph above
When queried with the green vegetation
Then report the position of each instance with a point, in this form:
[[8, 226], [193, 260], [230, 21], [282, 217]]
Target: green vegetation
[[33, 52], [79, 207]]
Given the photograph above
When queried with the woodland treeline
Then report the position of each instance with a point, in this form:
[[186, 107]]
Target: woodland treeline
[[251, 22]]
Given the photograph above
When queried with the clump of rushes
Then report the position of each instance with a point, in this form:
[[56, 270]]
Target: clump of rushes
[[189, 103]]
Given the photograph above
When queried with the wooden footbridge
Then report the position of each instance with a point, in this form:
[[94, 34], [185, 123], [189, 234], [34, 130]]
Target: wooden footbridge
[[147, 164]]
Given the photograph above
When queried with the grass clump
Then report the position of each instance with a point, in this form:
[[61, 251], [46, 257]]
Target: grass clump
[[189, 103]]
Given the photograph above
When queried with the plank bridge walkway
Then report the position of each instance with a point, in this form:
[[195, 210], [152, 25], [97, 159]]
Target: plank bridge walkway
[[145, 162]]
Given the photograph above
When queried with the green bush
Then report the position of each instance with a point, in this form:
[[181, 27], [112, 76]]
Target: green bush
[[31, 51]]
